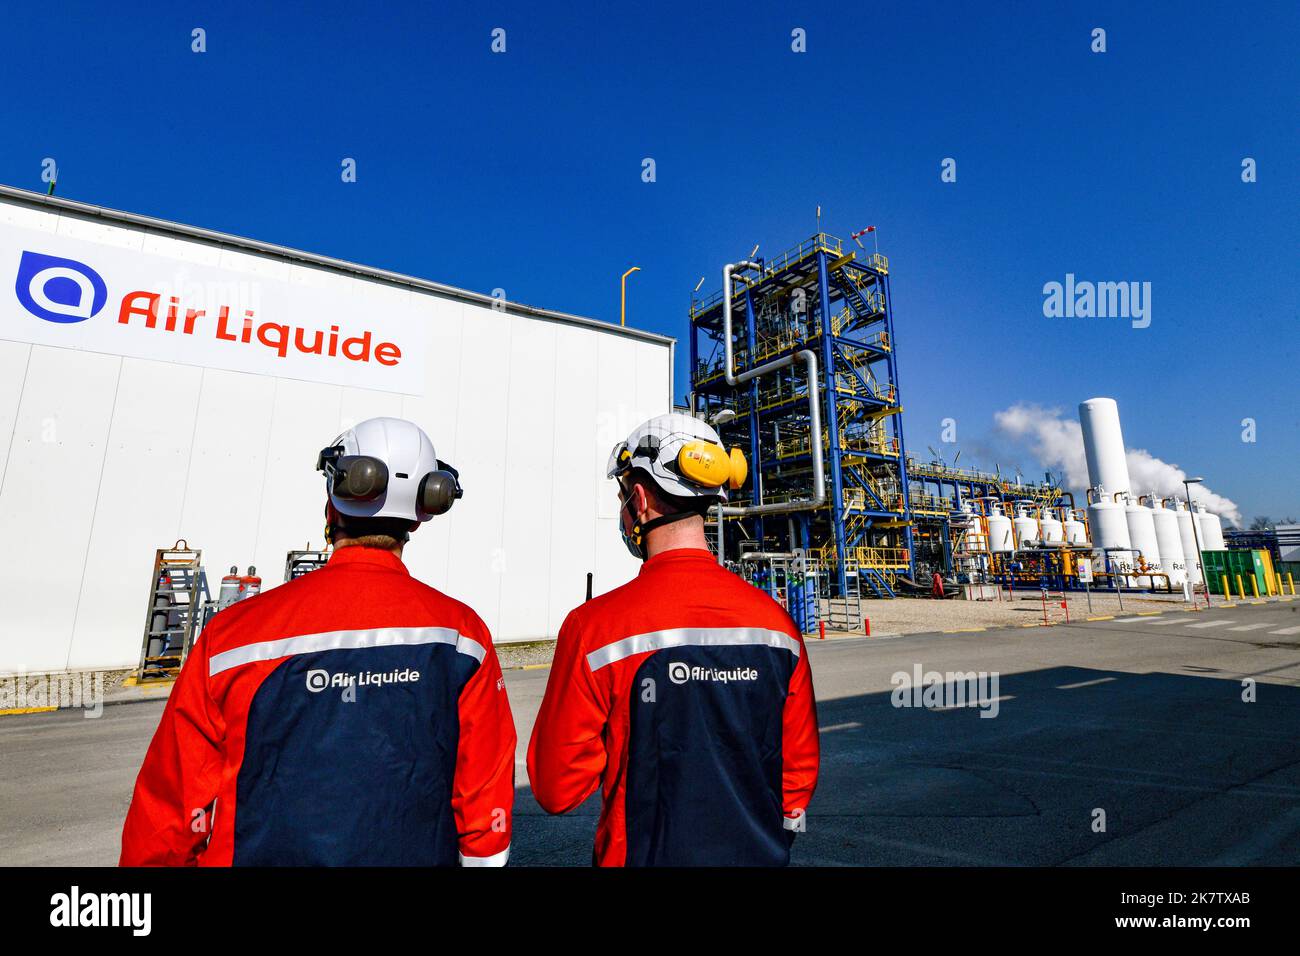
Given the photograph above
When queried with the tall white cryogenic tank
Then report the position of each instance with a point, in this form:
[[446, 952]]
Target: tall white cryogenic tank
[[1109, 526], [1000, 541], [1075, 530], [1142, 535], [1051, 528], [1103, 445], [1025, 525], [1211, 528], [1170, 541], [1188, 538]]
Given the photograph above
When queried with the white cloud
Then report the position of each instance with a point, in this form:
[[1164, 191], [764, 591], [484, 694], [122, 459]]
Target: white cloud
[[1057, 442]]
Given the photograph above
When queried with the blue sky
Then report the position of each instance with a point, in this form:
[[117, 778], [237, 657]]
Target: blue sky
[[523, 171]]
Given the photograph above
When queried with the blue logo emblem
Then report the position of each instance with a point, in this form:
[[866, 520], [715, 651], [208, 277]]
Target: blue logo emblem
[[59, 290]]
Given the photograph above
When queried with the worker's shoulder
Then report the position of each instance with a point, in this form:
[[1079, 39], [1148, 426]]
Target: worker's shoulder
[[715, 598], [444, 607], [600, 608], [234, 624]]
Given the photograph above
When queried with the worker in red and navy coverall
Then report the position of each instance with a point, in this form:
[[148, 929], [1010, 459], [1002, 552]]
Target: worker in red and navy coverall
[[685, 695], [353, 716]]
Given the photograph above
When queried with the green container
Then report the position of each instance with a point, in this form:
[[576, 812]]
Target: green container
[[1248, 564]]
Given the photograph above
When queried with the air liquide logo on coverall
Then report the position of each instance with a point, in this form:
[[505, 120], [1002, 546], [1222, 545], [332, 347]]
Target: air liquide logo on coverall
[[319, 680], [680, 673]]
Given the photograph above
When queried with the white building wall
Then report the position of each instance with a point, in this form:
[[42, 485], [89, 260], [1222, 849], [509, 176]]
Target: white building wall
[[104, 459]]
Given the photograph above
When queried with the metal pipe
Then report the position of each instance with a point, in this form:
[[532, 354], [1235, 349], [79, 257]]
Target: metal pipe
[[809, 359]]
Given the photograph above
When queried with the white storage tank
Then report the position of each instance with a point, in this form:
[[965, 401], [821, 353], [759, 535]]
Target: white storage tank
[[1188, 538], [999, 525], [1050, 526], [1170, 542], [1103, 445], [1142, 537], [1025, 525], [1109, 526], [1211, 527], [1076, 532]]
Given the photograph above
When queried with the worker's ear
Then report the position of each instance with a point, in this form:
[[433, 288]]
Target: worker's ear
[[640, 500]]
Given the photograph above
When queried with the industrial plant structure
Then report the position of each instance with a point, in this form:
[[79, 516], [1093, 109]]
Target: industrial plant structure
[[795, 359]]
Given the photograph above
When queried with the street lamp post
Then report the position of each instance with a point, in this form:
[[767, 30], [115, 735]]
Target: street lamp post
[[622, 310], [1196, 536]]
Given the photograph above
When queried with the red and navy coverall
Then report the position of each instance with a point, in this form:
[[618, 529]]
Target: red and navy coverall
[[686, 695], [353, 716]]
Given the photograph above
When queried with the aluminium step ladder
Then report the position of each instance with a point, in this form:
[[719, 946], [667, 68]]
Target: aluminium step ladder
[[179, 605]]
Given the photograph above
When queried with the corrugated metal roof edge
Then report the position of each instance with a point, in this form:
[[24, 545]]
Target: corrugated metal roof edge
[[311, 258]]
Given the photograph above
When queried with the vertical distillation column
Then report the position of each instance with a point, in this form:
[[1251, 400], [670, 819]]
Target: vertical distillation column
[[832, 423], [693, 372], [898, 426], [756, 462]]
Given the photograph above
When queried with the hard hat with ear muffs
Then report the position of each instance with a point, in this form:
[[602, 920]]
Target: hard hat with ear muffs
[[387, 468], [684, 456]]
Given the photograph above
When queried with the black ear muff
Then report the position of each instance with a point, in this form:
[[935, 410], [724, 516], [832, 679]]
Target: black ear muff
[[360, 477], [438, 491]]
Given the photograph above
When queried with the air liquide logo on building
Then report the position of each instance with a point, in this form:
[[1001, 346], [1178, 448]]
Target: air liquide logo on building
[[319, 680], [681, 673], [282, 323], [57, 289]]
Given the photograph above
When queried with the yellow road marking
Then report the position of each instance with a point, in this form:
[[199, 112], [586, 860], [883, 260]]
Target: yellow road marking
[[26, 710]]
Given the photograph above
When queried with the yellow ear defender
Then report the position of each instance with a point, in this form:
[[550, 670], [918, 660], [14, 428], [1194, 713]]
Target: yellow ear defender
[[711, 465]]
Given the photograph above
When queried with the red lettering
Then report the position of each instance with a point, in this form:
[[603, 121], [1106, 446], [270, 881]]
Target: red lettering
[[222, 318], [364, 340], [281, 344], [386, 353], [129, 309], [190, 316]]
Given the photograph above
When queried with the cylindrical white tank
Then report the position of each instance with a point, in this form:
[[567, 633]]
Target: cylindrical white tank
[[1170, 542], [1050, 526], [1142, 535], [1188, 538], [999, 525], [1103, 445], [1109, 526], [1076, 532], [1025, 526], [1211, 527]]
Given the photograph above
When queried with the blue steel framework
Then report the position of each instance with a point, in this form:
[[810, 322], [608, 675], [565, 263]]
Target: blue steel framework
[[887, 515], [815, 296]]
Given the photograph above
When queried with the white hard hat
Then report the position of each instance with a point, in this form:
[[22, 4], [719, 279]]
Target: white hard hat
[[683, 455], [387, 468]]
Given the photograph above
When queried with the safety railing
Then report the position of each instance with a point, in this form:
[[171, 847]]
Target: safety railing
[[865, 558], [779, 263]]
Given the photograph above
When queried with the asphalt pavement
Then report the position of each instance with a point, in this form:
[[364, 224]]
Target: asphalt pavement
[[1153, 739]]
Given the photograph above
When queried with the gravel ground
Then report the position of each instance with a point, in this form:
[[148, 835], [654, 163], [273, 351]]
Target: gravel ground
[[919, 615]]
